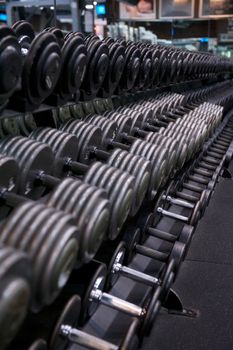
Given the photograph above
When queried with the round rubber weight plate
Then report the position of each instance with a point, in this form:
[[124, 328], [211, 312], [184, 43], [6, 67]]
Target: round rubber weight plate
[[89, 306], [69, 317], [151, 312], [41, 159]]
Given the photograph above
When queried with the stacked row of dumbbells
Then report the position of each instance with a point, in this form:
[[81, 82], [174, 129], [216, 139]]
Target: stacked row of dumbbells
[[21, 228], [75, 313], [186, 198], [208, 93], [57, 68], [167, 103]]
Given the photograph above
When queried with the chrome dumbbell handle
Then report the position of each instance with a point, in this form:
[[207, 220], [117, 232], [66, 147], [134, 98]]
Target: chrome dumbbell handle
[[178, 202], [172, 215], [89, 341], [117, 303], [135, 274]]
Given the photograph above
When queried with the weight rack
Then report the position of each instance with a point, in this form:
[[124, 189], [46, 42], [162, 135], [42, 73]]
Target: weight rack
[[109, 293]]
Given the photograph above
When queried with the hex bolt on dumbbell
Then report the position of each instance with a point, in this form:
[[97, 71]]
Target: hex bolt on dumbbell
[[65, 147], [93, 295], [15, 291], [65, 331]]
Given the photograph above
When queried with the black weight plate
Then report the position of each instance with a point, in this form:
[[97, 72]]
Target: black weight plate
[[24, 32], [123, 121], [196, 215], [131, 237], [119, 188], [152, 311], [15, 277], [160, 202], [131, 342], [41, 68], [89, 306], [58, 34], [137, 167], [118, 257], [108, 127], [10, 61], [9, 175], [115, 69], [73, 64], [64, 146], [88, 136], [9, 180], [90, 207], [69, 317]]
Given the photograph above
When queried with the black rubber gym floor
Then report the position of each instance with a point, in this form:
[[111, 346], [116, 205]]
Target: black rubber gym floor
[[204, 284]]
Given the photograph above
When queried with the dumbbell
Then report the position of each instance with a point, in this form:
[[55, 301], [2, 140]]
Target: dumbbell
[[96, 213], [140, 121], [28, 228], [11, 64], [135, 244], [200, 128], [97, 64], [119, 188], [41, 66], [115, 68], [140, 129], [65, 147], [15, 291], [197, 184], [162, 206], [89, 282], [73, 66], [176, 194], [125, 124], [149, 228], [35, 179], [114, 259], [148, 120], [89, 145], [145, 67], [212, 150], [65, 332], [41, 325], [199, 174], [111, 131], [178, 132], [184, 145], [131, 67], [117, 184]]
